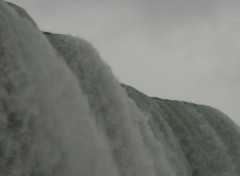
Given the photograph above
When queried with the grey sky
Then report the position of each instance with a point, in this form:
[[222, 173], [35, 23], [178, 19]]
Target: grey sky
[[176, 49]]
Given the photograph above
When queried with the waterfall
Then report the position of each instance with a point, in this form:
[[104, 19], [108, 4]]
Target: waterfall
[[54, 123], [63, 113], [46, 125]]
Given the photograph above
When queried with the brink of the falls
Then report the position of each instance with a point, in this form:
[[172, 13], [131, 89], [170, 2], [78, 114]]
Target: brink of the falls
[[63, 113]]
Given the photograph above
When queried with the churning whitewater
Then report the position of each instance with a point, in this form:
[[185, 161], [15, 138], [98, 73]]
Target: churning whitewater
[[63, 113]]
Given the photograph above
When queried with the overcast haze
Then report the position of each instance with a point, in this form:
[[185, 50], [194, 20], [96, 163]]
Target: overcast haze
[[175, 49]]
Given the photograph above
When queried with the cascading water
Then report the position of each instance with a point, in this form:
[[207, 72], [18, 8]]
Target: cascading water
[[55, 124], [208, 139], [110, 105], [46, 126], [63, 113]]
